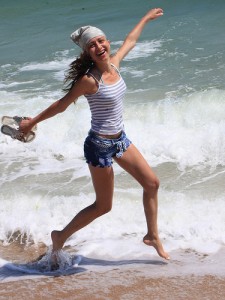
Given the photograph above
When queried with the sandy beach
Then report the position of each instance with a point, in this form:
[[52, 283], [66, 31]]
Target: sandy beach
[[188, 275], [116, 284]]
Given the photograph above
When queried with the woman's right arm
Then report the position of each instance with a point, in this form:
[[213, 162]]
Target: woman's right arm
[[83, 86]]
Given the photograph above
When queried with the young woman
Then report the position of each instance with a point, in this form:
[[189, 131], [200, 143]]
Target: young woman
[[95, 74]]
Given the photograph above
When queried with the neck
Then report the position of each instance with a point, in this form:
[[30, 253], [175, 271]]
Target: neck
[[105, 67]]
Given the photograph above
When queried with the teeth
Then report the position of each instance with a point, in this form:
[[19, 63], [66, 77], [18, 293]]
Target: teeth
[[101, 53]]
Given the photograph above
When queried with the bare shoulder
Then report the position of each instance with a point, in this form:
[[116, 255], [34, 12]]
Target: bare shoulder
[[86, 84]]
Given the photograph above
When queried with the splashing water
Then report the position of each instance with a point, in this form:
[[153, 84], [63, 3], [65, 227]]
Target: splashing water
[[57, 260]]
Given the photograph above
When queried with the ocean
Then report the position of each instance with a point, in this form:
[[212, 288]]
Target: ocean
[[173, 112]]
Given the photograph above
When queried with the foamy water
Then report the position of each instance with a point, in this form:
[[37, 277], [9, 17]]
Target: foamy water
[[44, 184], [173, 112]]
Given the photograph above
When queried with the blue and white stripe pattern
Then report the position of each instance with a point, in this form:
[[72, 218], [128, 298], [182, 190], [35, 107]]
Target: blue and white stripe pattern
[[106, 107]]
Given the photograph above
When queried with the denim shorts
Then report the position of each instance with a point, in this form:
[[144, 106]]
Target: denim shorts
[[99, 151]]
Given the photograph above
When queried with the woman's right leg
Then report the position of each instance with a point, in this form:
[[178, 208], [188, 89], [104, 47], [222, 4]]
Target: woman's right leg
[[103, 182]]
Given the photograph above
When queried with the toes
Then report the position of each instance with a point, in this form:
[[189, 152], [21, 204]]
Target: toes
[[158, 247]]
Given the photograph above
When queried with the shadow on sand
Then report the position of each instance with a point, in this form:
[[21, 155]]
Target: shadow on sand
[[79, 264]]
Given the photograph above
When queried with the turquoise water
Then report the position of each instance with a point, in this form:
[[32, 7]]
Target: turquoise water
[[174, 113]]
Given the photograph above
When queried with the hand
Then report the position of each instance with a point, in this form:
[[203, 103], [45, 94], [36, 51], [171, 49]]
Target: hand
[[26, 125], [154, 14]]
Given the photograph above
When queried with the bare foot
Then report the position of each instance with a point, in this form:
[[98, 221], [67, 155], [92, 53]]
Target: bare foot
[[156, 243], [54, 262], [57, 243]]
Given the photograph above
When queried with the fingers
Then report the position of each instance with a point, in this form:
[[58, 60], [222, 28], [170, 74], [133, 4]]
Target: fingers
[[24, 126], [155, 13], [158, 11]]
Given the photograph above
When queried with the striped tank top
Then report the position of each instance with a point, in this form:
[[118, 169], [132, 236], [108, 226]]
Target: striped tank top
[[106, 106]]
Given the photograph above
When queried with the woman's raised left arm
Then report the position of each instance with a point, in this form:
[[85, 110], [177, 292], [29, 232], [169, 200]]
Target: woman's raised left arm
[[135, 33]]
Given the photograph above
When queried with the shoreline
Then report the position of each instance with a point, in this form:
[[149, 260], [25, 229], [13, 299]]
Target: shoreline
[[189, 275]]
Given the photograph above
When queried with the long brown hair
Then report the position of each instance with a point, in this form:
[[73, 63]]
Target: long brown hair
[[77, 69]]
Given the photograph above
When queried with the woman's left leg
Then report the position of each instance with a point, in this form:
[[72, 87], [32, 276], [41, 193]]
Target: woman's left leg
[[134, 163]]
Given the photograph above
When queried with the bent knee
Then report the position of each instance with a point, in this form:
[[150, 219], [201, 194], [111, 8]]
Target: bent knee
[[152, 185], [102, 209]]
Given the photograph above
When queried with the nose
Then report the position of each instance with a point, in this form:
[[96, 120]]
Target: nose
[[98, 46]]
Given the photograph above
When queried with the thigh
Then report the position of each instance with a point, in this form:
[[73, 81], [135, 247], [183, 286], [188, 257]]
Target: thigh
[[135, 164], [98, 151], [103, 182]]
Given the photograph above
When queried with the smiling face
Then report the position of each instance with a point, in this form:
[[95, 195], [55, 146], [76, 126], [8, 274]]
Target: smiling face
[[99, 48]]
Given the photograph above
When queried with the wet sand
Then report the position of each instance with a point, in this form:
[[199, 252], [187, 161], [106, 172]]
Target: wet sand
[[116, 284], [189, 275]]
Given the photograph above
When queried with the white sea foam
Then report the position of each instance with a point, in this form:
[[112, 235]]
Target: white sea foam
[[142, 49], [47, 66], [60, 60], [184, 222], [45, 183], [174, 113], [188, 131]]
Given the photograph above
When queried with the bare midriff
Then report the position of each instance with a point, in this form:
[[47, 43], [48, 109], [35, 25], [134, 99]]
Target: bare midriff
[[111, 136]]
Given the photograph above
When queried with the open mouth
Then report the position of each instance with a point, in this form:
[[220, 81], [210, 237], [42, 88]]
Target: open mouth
[[101, 53]]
